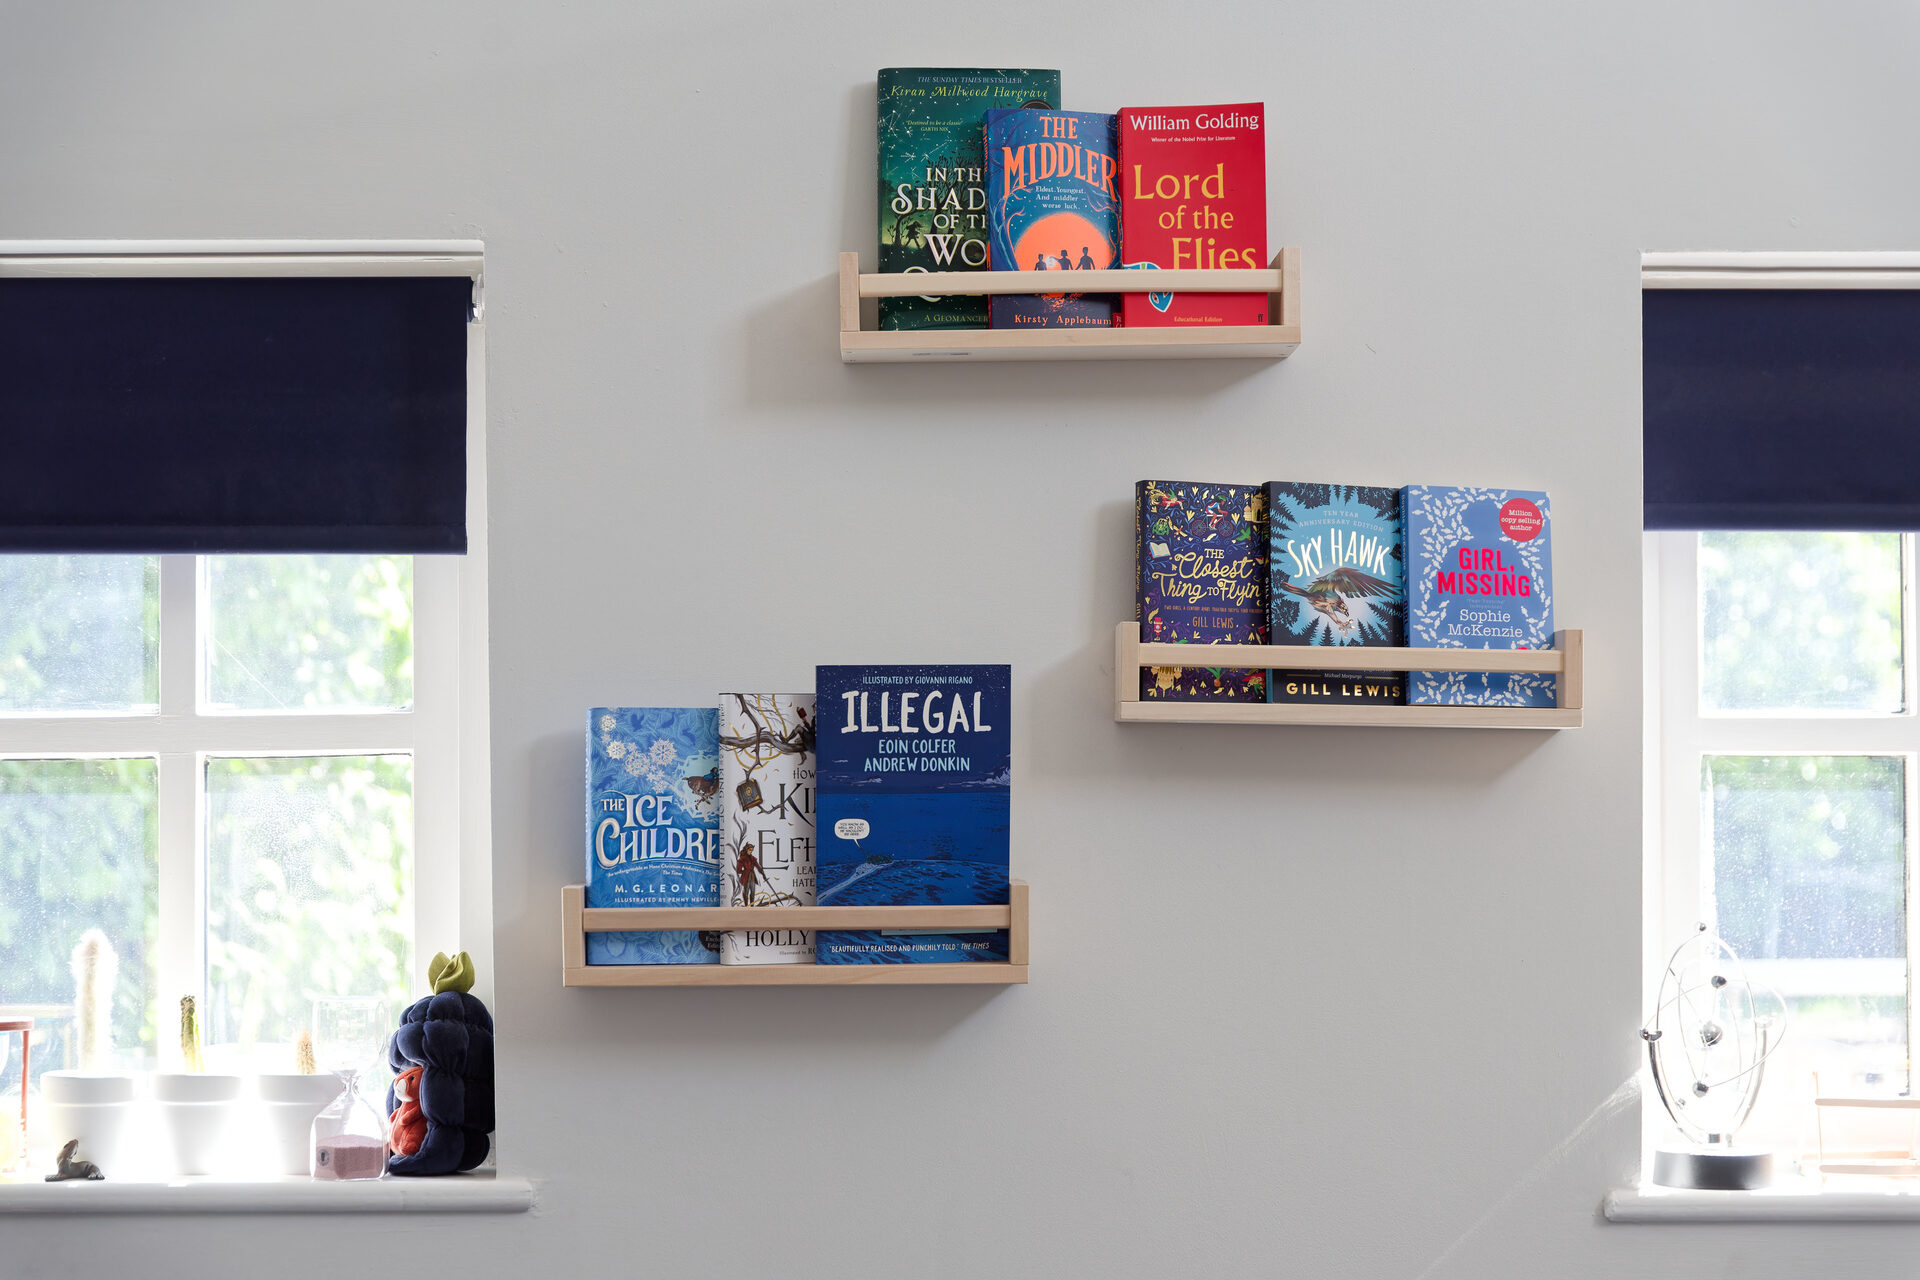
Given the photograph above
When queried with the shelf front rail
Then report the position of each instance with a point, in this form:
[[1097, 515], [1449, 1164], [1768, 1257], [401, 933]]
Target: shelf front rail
[[1566, 660], [1275, 340], [578, 920]]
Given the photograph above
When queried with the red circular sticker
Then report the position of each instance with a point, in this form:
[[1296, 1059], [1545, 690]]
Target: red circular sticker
[[1521, 520]]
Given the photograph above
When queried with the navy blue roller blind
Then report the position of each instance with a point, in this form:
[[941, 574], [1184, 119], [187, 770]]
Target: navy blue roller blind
[[1782, 409], [233, 415]]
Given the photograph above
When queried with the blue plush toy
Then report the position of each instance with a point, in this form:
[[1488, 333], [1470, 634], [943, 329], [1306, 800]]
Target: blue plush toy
[[441, 1100]]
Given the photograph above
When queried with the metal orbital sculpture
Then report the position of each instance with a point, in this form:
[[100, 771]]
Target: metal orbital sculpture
[[1707, 1049]]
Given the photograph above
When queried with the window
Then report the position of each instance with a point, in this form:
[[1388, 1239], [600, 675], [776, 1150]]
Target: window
[[1783, 744], [227, 764], [257, 774]]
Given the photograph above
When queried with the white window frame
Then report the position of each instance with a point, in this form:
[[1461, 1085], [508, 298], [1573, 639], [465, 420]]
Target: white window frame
[[1677, 735], [446, 729]]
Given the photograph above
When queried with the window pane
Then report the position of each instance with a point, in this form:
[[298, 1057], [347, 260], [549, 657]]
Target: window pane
[[309, 889], [79, 851], [1808, 878], [1800, 622], [309, 633], [79, 633]]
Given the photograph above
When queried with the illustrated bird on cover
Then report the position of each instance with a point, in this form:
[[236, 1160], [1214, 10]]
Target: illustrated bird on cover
[[1329, 592]]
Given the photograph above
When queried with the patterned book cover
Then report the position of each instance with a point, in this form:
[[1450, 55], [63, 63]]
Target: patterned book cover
[[914, 790], [1479, 576], [1053, 204], [1193, 195], [1336, 576], [767, 767], [933, 184], [653, 826], [1200, 577]]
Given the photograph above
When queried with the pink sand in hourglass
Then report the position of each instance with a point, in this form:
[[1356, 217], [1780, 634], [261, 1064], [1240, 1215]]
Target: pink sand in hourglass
[[348, 1156]]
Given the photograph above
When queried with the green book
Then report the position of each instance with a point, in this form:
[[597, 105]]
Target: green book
[[933, 179]]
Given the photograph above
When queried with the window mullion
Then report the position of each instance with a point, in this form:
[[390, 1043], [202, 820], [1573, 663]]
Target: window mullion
[[182, 873]]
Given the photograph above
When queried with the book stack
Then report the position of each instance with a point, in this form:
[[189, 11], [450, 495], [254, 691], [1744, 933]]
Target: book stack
[[980, 169], [1427, 566]]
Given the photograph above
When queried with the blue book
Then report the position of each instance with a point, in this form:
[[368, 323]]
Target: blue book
[[653, 826], [912, 803], [1335, 577], [1053, 204], [1479, 576]]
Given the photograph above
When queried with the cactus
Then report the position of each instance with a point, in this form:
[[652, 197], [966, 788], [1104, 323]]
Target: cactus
[[95, 970], [190, 1037], [303, 1053]]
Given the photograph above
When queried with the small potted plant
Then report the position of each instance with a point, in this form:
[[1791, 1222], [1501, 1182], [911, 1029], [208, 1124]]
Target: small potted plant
[[291, 1100], [196, 1106], [92, 1105]]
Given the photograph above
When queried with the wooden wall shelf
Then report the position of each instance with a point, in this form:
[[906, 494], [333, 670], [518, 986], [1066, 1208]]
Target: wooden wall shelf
[[577, 921], [1565, 660], [1274, 341]]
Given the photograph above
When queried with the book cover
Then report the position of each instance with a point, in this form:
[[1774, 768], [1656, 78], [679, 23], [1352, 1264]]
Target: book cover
[[914, 791], [1479, 576], [653, 826], [1200, 577], [767, 767], [1336, 576], [1193, 196], [933, 185], [1053, 204]]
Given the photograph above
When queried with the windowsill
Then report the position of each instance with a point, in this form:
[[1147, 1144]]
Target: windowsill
[[459, 1193], [1791, 1203]]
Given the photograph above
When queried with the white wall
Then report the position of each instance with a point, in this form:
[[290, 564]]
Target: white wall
[[1315, 1003]]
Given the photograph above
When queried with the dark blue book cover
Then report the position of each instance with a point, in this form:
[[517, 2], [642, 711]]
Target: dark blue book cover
[[1479, 576], [912, 803], [1200, 577], [1053, 204], [653, 826], [1336, 576]]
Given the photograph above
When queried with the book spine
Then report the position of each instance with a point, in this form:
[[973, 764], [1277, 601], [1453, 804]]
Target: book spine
[[767, 768], [653, 826], [1193, 183], [1200, 577]]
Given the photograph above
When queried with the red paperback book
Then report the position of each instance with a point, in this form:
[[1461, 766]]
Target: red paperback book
[[1193, 194]]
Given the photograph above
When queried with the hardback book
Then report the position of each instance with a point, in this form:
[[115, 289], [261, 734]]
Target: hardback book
[[653, 826], [933, 185], [1479, 576], [914, 793], [1193, 196], [1053, 204], [767, 766], [1335, 576], [1200, 577]]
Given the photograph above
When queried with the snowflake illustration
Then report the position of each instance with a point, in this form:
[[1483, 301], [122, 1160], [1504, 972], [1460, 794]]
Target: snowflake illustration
[[606, 724], [636, 764], [617, 749], [664, 752]]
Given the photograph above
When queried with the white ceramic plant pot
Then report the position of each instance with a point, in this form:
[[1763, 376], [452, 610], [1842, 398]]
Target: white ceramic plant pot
[[197, 1110], [94, 1106], [290, 1103]]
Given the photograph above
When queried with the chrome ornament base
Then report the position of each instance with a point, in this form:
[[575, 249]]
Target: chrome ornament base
[[1711, 1169]]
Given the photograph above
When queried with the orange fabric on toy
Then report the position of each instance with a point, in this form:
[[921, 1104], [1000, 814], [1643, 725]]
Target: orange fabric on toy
[[409, 1126]]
